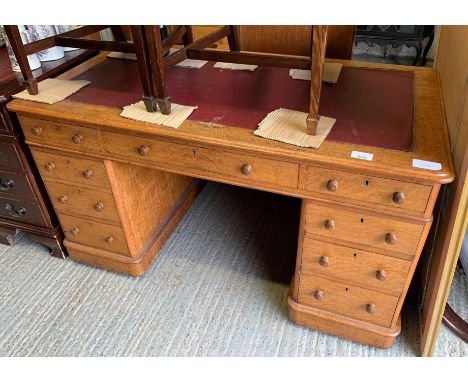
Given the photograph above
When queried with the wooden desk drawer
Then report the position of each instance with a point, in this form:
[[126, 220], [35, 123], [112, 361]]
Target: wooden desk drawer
[[27, 212], [60, 134], [9, 156], [58, 167], [363, 228], [370, 189], [83, 201], [353, 265], [347, 300], [93, 234], [15, 185], [244, 167]]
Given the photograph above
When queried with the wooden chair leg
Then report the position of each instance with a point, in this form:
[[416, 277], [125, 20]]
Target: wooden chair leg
[[155, 51], [118, 33], [16, 43], [187, 38], [144, 67], [319, 46], [233, 41]]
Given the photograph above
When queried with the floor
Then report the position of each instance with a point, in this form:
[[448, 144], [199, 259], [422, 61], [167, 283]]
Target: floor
[[217, 288]]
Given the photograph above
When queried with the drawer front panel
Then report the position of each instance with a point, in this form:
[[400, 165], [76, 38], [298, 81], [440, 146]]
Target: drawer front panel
[[93, 234], [15, 185], [57, 167], [60, 134], [82, 201], [9, 157], [363, 228], [377, 190], [243, 167], [347, 300], [21, 211], [353, 265]]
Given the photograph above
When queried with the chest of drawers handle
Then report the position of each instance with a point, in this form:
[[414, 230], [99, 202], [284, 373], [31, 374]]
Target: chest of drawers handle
[[63, 199], [99, 207], [391, 238], [87, 174], [36, 130], [13, 212], [75, 231], [49, 166], [330, 224], [398, 197], [7, 185], [77, 138], [109, 240], [143, 150], [332, 185], [381, 275], [318, 294], [246, 169], [324, 261], [370, 308]]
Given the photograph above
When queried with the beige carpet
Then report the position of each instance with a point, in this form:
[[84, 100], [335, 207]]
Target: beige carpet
[[218, 288]]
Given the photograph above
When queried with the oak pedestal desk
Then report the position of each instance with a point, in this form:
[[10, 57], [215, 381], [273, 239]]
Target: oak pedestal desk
[[363, 222]]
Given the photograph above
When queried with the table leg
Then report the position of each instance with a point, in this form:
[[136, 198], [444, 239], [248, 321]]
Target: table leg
[[144, 68]]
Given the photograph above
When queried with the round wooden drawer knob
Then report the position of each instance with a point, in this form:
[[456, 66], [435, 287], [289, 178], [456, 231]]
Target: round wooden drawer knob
[[87, 174], [332, 185], [398, 197], [143, 150], [99, 207], [75, 231], [318, 294], [246, 169], [330, 224], [77, 138], [391, 238], [109, 240], [49, 166], [63, 199], [36, 130], [370, 308], [324, 261], [381, 275]]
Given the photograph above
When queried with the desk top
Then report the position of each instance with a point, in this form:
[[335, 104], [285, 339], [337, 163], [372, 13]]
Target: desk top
[[425, 139]]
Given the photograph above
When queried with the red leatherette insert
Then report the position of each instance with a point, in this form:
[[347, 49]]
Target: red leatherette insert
[[373, 107]]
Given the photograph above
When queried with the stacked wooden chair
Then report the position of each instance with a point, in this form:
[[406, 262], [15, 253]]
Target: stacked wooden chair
[[148, 47]]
